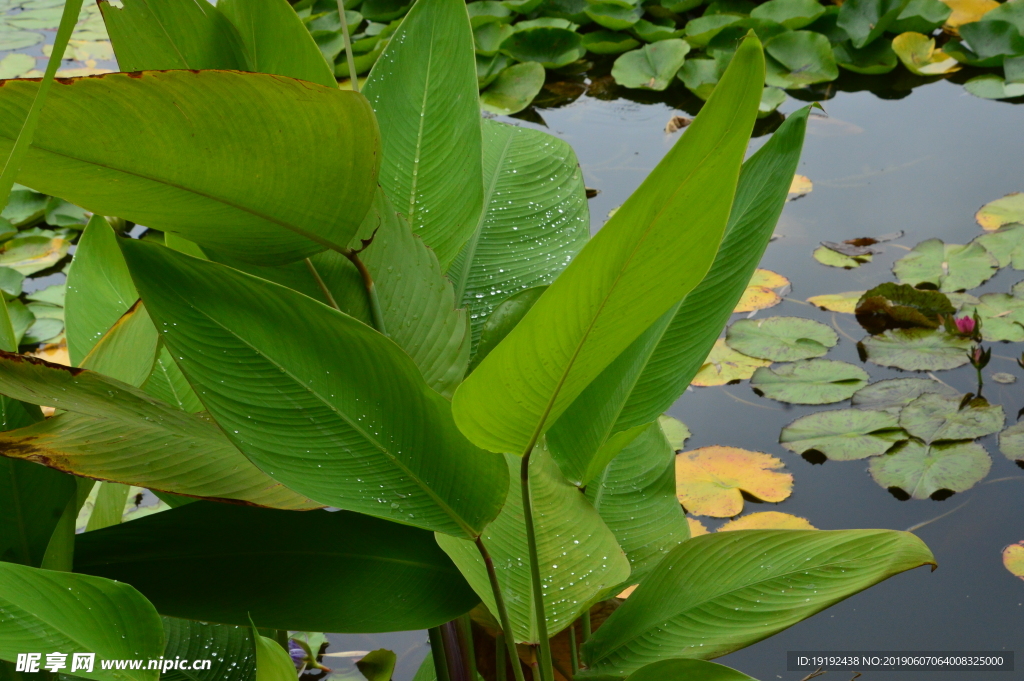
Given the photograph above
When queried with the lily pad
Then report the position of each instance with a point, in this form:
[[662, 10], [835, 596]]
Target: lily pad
[[609, 42], [893, 394], [16, 64], [653, 66], [652, 29], [800, 186], [1002, 317], [700, 76], [488, 11], [968, 11], [873, 59], [31, 254], [901, 306], [921, 470], [762, 291], [845, 303], [19, 40], [1004, 211], [921, 16], [1004, 378], [826, 256], [792, 14], [918, 54], [675, 431], [771, 99], [1006, 244], [550, 47], [488, 68], [811, 381], [866, 20], [1011, 442], [1013, 559], [614, 17], [781, 339], [700, 31], [488, 38], [915, 350], [709, 480], [513, 89], [43, 331], [949, 267], [799, 58], [937, 418], [725, 365], [843, 434], [993, 39], [768, 520]]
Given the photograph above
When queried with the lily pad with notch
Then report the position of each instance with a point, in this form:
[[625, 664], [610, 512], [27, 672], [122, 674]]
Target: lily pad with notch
[[893, 394], [764, 290], [781, 339], [799, 58], [709, 480], [995, 214], [947, 267], [513, 89], [915, 350], [1011, 443], [724, 365], [873, 59], [866, 20], [651, 67], [793, 14], [901, 306], [1002, 317], [919, 471], [700, 76], [937, 418], [1006, 244], [609, 42], [843, 434], [551, 47], [613, 16], [652, 29], [810, 381], [921, 16]]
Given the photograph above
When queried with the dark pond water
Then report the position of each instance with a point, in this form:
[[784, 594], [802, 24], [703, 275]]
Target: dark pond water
[[923, 164]]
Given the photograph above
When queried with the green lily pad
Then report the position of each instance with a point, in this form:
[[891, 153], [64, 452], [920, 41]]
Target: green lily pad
[[43, 330], [809, 381], [1011, 443], [52, 295], [949, 267], [993, 215], [921, 16], [921, 470], [681, 6], [771, 99], [843, 434], [826, 256], [876, 58], [700, 31], [545, 22], [993, 39], [965, 55], [915, 350], [488, 68], [522, 6], [609, 42], [31, 254], [614, 17], [384, 10], [991, 86], [918, 54], [675, 431], [487, 12], [740, 7], [653, 66], [488, 38], [1011, 11], [1006, 244], [21, 319], [24, 206], [892, 394], [866, 20], [550, 47], [1013, 69], [700, 76], [16, 64], [792, 14], [936, 418], [901, 306], [19, 40], [781, 339], [799, 58], [1002, 317], [514, 89], [652, 29], [11, 282]]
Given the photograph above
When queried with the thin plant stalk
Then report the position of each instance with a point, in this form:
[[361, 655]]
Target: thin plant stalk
[[323, 287], [348, 47], [454, 651], [499, 659], [465, 623], [438, 655], [585, 622], [499, 602], [376, 313], [545, 667], [574, 652]]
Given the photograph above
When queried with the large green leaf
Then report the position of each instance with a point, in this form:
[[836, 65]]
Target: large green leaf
[[535, 219], [128, 350], [580, 561], [627, 277], [228, 647], [172, 34], [274, 40], [690, 670], [116, 432], [272, 661], [424, 90], [168, 384], [655, 370], [99, 288], [46, 611], [636, 497], [721, 592], [417, 300], [319, 401], [176, 151], [313, 571]]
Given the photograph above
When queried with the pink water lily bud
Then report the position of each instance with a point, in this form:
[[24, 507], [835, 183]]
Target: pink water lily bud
[[964, 325]]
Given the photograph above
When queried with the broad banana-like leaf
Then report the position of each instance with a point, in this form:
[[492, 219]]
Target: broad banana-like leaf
[[319, 401], [128, 350], [687, 670], [228, 647], [168, 384], [656, 368], [580, 561], [172, 34], [313, 571], [424, 90], [108, 509], [721, 592], [534, 222], [115, 432], [272, 661], [636, 497], [653, 251], [47, 611], [275, 41], [206, 155]]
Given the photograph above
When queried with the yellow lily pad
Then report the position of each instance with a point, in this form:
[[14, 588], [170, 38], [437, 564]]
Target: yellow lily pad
[[917, 52], [1013, 559], [967, 11], [709, 480], [761, 291], [768, 520], [627, 591], [725, 365], [1004, 211], [826, 256], [30, 254], [800, 186], [837, 302], [697, 528]]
